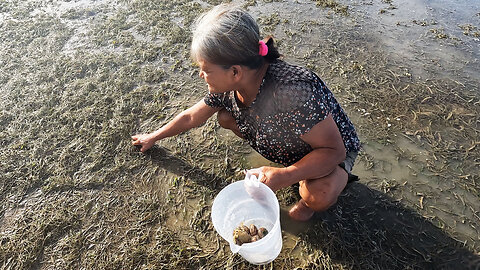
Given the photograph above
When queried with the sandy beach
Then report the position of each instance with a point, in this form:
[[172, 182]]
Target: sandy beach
[[79, 77]]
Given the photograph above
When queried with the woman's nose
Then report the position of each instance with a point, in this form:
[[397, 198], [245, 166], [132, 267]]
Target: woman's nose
[[200, 74]]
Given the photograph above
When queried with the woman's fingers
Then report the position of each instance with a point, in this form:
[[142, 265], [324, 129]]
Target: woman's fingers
[[255, 171], [136, 140], [258, 172], [261, 177], [141, 141]]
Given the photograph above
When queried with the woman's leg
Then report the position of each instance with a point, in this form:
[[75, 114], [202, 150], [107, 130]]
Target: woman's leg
[[226, 120], [319, 194]]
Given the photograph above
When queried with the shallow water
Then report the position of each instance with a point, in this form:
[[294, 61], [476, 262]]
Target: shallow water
[[408, 31]]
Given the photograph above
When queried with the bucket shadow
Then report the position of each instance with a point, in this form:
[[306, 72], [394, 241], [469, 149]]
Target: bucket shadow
[[373, 231]]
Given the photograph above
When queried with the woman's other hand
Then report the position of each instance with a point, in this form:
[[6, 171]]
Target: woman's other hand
[[146, 141], [273, 177]]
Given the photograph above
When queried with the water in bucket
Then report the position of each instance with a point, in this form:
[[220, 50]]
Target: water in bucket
[[251, 202]]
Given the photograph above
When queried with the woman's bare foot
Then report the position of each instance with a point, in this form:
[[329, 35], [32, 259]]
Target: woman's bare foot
[[300, 211]]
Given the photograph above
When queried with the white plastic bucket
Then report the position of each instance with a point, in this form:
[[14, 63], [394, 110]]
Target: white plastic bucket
[[251, 202]]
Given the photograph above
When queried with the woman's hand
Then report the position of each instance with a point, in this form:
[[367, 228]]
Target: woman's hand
[[274, 178], [144, 140]]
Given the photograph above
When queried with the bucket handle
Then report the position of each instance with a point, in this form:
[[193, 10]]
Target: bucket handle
[[251, 179]]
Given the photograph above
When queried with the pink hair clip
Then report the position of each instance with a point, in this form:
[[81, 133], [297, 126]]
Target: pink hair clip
[[262, 48]]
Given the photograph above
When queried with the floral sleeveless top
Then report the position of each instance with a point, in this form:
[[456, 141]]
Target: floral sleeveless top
[[291, 100]]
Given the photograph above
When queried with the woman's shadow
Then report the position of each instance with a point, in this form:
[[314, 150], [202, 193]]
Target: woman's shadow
[[366, 228], [171, 163], [374, 231]]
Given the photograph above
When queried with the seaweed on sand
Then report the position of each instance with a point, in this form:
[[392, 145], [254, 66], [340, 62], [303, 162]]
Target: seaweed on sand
[[75, 84]]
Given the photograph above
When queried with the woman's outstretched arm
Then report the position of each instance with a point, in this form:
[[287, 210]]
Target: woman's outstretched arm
[[190, 118]]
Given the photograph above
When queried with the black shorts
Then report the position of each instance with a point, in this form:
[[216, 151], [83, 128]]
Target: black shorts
[[347, 165]]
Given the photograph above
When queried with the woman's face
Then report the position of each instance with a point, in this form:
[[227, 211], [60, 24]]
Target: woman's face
[[218, 79]]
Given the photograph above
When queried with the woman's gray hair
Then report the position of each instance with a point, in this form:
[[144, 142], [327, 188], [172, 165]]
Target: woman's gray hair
[[226, 35]]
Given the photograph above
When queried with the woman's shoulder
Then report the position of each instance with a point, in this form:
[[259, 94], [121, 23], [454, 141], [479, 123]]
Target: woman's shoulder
[[282, 71], [290, 86]]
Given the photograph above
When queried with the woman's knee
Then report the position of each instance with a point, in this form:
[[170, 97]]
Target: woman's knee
[[320, 204], [321, 194]]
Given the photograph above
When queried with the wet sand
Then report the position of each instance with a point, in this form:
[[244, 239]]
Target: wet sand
[[79, 77]]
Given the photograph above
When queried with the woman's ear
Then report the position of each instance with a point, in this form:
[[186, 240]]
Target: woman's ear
[[237, 72]]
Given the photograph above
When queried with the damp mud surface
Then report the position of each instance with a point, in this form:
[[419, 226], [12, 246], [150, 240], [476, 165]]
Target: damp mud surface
[[79, 77]]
